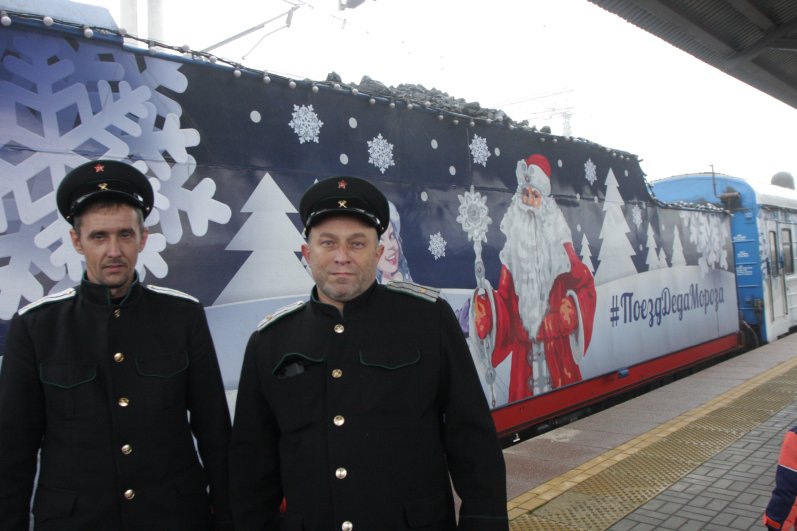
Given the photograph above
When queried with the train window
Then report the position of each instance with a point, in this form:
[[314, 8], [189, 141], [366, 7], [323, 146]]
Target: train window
[[774, 266], [788, 257]]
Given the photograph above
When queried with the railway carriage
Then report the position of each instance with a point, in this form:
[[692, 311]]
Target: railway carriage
[[571, 282], [763, 228]]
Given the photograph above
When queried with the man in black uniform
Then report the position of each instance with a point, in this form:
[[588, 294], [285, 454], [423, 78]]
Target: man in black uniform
[[102, 378], [355, 406]]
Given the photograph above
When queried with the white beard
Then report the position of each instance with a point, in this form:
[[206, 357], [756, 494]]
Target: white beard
[[534, 253]]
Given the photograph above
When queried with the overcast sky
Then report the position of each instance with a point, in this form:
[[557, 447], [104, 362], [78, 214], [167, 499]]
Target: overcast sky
[[534, 59]]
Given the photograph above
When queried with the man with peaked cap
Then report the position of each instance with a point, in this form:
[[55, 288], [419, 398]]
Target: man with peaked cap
[[111, 381], [355, 407]]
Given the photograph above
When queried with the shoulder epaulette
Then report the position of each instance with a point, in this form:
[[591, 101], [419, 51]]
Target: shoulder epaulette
[[172, 292], [416, 290], [49, 299], [282, 312]]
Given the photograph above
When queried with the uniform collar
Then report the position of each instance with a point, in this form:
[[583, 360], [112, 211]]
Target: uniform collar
[[100, 294], [352, 307]]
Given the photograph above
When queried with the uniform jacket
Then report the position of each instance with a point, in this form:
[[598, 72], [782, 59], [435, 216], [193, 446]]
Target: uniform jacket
[[103, 388], [781, 510], [357, 420]]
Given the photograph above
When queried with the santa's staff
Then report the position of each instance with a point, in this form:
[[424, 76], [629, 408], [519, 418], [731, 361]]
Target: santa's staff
[[474, 220]]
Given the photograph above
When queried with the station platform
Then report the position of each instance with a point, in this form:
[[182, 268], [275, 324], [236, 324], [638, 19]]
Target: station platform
[[697, 454]]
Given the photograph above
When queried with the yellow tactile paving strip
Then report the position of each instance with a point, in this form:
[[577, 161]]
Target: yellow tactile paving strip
[[598, 493]]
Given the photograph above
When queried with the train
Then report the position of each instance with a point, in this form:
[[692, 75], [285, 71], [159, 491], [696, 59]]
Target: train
[[572, 282], [763, 228]]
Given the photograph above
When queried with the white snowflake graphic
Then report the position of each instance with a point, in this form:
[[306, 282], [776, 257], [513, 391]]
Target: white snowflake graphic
[[707, 235], [380, 153], [590, 171], [636, 216], [473, 215], [479, 150], [85, 101], [437, 246], [305, 123]]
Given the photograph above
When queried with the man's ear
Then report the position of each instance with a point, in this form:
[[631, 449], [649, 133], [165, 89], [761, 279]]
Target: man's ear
[[75, 241], [144, 235], [306, 251]]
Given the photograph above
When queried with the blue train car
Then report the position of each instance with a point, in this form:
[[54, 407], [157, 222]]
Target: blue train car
[[763, 226]]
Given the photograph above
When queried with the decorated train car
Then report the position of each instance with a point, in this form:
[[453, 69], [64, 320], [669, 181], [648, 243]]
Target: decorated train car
[[763, 228], [571, 282]]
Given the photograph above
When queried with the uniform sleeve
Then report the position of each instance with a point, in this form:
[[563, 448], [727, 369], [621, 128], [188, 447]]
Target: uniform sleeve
[[783, 496], [21, 427], [474, 455], [255, 482], [210, 417]]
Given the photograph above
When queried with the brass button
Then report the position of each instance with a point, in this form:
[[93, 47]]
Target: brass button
[[337, 373], [117, 312], [339, 329], [127, 449], [347, 526], [118, 357], [341, 473], [129, 494], [339, 420], [123, 402]]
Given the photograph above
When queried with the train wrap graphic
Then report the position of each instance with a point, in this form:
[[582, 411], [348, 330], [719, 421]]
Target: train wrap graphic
[[570, 280]]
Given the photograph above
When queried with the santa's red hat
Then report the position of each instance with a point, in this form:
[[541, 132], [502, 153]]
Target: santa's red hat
[[535, 171]]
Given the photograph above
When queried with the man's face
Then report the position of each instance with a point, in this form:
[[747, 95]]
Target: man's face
[[342, 252], [110, 238], [531, 197]]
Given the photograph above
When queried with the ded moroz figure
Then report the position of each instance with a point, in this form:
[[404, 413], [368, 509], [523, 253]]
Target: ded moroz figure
[[543, 309], [112, 381], [357, 406]]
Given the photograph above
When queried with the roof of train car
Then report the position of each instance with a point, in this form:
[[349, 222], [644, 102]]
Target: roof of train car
[[765, 194], [66, 11], [754, 41]]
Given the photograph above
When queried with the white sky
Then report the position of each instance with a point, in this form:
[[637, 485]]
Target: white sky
[[626, 88]]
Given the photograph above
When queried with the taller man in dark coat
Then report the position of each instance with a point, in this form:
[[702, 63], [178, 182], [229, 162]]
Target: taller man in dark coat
[[112, 380], [355, 406]]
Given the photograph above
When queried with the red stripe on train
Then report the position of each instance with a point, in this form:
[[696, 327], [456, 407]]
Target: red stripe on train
[[535, 410]]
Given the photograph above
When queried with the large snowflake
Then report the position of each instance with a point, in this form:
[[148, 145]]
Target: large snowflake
[[66, 102], [590, 171], [305, 123], [380, 153], [636, 216], [479, 150], [473, 215], [707, 235], [437, 245]]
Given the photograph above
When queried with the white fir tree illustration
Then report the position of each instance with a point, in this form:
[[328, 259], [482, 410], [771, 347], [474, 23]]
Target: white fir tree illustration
[[616, 251], [273, 269], [653, 260], [678, 258], [586, 254], [662, 258]]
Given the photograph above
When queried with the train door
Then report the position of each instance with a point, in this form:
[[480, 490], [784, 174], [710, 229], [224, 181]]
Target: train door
[[777, 303], [789, 277]]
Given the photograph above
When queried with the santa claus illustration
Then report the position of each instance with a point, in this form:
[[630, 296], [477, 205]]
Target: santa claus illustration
[[543, 308]]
